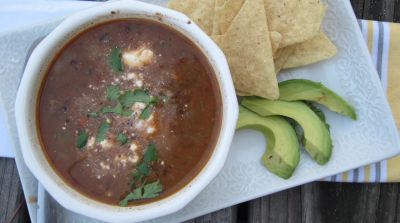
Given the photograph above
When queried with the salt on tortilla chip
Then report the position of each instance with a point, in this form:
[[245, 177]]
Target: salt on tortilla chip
[[247, 46], [200, 11], [225, 12], [281, 56], [276, 39], [314, 50], [295, 20]]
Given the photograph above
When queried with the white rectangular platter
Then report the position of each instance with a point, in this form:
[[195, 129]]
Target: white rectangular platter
[[373, 137]]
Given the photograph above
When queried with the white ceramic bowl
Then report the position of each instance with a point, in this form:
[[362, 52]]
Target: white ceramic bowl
[[27, 98]]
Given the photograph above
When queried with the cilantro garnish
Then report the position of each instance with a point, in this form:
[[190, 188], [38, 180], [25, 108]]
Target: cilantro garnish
[[115, 59], [149, 190], [146, 112], [93, 114], [144, 190], [118, 109], [112, 92], [139, 95], [82, 139], [150, 154], [102, 131], [122, 138]]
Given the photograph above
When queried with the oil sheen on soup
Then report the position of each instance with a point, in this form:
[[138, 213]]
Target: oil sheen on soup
[[129, 112]]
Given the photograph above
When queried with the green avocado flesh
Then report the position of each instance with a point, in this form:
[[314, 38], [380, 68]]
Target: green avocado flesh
[[306, 90], [318, 141], [283, 151]]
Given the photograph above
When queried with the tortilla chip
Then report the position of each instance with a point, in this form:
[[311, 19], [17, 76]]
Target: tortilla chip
[[276, 39], [314, 50], [240, 93], [281, 56], [295, 20], [200, 11], [225, 12], [247, 46]]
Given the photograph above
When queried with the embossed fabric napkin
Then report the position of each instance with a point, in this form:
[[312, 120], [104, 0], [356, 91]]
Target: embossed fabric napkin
[[383, 41]]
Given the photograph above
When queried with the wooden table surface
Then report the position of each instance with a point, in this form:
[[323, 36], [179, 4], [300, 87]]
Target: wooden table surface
[[313, 202]]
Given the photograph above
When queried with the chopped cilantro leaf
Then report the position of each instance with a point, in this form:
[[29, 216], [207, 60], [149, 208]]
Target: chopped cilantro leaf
[[112, 92], [122, 138], [146, 112], [149, 190], [102, 131], [82, 139], [150, 154], [152, 189], [117, 109], [142, 170], [127, 113], [129, 97], [115, 59], [93, 114], [136, 194]]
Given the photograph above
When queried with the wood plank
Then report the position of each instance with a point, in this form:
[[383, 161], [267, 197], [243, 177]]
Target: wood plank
[[358, 7], [396, 14], [280, 207], [11, 196], [226, 215], [387, 206], [382, 10]]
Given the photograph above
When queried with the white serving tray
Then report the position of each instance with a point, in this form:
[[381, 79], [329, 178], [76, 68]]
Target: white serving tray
[[351, 73]]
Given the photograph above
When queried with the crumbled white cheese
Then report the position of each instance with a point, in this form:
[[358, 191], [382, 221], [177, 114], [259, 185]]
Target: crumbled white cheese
[[108, 120], [122, 159], [139, 124], [104, 166], [106, 144], [138, 83], [63, 128], [91, 141], [138, 107], [130, 76], [150, 130], [138, 58], [133, 147], [136, 78], [134, 158]]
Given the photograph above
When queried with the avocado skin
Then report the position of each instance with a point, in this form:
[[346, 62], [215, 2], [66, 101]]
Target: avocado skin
[[317, 138], [306, 90], [282, 154]]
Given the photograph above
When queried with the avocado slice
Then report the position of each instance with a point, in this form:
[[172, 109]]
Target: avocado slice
[[282, 154], [306, 90], [317, 139]]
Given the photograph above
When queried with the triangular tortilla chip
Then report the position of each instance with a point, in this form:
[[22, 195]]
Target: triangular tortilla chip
[[281, 56], [240, 93], [296, 21], [314, 50], [200, 11], [276, 39], [225, 12], [247, 47]]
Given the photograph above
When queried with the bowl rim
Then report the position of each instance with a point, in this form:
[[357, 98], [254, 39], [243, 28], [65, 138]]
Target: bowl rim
[[69, 197]]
